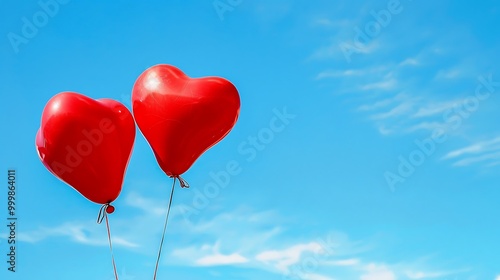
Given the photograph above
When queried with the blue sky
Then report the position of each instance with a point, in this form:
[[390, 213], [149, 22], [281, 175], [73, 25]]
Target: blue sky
[[385, 166]]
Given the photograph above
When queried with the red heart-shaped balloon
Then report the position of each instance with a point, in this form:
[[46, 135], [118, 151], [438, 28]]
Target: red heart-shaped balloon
[[87, 143], [182, 117]]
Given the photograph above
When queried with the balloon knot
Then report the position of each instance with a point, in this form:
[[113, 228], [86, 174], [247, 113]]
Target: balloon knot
[[184, 184], [110, 209], [105, 209]]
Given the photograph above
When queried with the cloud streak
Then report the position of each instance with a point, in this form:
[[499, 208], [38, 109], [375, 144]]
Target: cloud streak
[[486, 152], [86, 233]]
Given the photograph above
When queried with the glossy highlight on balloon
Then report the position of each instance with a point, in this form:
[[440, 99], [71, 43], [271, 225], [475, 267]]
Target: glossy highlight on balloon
[[182, 117], [87, 143]]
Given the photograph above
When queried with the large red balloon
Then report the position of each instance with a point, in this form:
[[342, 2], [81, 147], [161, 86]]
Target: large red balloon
[[182, 117], [87, 143]]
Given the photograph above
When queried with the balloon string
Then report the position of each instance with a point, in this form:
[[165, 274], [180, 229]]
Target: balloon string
[[111, 246], [165, 225], [183, 182], [103, 215]]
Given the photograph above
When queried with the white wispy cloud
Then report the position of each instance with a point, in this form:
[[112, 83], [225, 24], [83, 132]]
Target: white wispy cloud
[[350, 72], [484, 152], [148, 205], [430, 274], [220, 259], [376, 105], [338, 48], [207, 255], [410, 62], [435, 108], [463, 68], [476, 159], [283, 259], [382, 103], [190, 253], [314, 276], [337, 73], [382, 85], [427, 126], [384, 130], [344, 262], [483, 146], [377, 272], [80, 232], [400, 109]]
